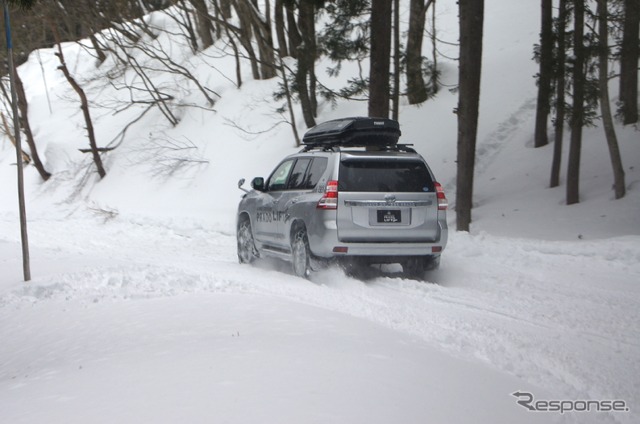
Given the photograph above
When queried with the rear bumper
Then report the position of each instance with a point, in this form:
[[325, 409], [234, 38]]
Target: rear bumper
[[325, 244]]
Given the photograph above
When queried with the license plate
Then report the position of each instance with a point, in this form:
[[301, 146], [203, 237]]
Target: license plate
[[389, 216]]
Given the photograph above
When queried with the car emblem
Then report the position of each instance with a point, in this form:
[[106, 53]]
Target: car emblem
[[390, 199]]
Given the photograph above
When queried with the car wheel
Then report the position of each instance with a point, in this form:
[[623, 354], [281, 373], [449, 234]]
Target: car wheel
[[246, 247], [300, 256]]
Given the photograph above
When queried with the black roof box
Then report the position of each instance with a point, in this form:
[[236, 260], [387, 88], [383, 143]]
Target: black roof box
[[356, 131]]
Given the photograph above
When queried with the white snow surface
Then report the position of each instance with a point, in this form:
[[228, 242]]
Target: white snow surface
[[139, 312]]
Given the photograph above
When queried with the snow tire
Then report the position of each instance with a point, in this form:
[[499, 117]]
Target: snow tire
[[247, 251], [300, 254]]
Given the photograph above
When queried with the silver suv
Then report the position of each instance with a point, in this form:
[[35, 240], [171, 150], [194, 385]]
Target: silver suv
[[352, 195]]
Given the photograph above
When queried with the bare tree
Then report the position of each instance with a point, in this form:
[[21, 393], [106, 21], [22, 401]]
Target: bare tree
[[84, 105], [184, 20]]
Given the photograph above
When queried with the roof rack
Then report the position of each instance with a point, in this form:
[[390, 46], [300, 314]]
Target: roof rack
[[337, 147], [354, 131]]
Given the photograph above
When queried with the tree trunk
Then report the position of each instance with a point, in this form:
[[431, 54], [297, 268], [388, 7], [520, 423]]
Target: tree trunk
[[575, 147], [435, 78], [246, 34], [84, 105], [278, 17], [264, 38], [544, 78], [23, 105], [395, 98], [560, 86], [225, 9], [306, 25], [306, 60], [188, 26], [471, 31], [380, 58], [605, 106], [629, 62], [224, 21], [292, 30], [98, 49], [416, 88], [205, 26]]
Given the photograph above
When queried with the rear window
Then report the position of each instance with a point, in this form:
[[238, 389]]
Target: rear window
[[390, 176]]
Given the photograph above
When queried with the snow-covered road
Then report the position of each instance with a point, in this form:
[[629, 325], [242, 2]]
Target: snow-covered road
[[559, 318]]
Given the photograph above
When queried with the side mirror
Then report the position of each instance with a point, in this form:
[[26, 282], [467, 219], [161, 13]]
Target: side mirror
[[258, 184], [240, 184]]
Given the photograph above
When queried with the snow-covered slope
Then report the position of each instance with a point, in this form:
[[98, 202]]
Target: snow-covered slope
[[139, 312]]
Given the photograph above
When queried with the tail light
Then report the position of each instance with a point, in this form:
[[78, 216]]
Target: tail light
[[442, 199], [330, 198]]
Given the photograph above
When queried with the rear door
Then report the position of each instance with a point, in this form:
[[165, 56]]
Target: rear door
[[386, 199], [294, 202]]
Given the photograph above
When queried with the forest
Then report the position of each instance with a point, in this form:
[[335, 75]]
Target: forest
[[585, 48]]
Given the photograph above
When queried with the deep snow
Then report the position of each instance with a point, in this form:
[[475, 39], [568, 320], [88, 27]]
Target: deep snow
[[139, 312]]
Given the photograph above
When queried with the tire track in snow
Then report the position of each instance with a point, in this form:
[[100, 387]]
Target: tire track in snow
[[513, 304]]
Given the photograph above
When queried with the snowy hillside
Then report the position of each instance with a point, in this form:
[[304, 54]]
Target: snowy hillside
[[139, 312]]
